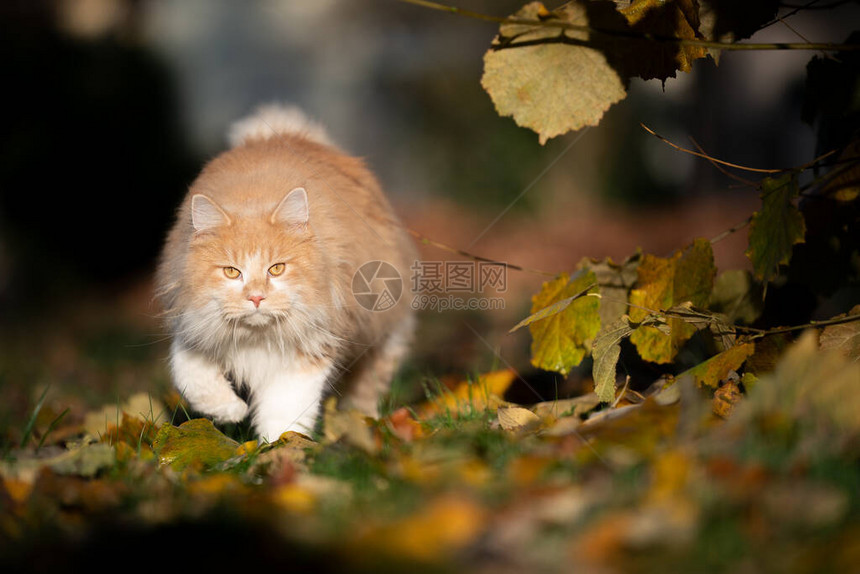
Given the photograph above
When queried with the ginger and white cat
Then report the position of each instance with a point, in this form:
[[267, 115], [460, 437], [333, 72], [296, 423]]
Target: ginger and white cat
[[256, 279]]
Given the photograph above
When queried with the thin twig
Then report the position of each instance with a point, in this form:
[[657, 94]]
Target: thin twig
[[454, 250], [719, 167], [707, 157], [759, 333], [733, 229]]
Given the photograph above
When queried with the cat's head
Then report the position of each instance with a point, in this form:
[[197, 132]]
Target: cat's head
[[251, 271]]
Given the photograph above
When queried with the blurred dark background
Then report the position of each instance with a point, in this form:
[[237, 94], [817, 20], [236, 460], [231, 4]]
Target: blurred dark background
[[112, 106]]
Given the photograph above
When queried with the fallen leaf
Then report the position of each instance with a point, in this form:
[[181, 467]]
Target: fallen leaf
[[140, 406], [403, 424], [85, 460], [573, 407], [348, 425], [195, 443], [725, 399], [826, 410], [469, 395], [517, 418], [430, 535]]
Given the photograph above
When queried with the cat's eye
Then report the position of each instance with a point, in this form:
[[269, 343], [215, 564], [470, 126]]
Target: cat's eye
[[232, 273], [277, 269]]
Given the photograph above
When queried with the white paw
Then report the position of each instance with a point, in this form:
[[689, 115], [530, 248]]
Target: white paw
[[230, 412]]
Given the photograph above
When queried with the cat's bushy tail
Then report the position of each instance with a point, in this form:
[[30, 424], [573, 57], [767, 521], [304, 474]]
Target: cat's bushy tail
[[276, 119]]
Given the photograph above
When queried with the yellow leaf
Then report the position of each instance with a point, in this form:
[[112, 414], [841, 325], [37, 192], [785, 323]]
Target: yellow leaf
[[718, 367], [294, 498], [469, 395], [561, 340], [516, 418], [725, 399], [550, 87], [349, 425], [195, 443], [430, 535], [687, 276]]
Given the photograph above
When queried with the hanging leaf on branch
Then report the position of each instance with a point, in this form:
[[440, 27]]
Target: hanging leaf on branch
[[776, 228], [687, 276], [548, 84], [718, 367], [556, 79], [561, 339]]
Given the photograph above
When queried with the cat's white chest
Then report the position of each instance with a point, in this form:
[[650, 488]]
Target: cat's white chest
[[255, 365]]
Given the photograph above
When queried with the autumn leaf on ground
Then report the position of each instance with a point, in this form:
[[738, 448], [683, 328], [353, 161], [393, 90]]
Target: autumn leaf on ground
[[348, 425], [84, 460], [561, 340], [686, 277], [429, 535], [517, 418], [725, 399], [809, 387], [469, 396], [776, 228], [195, 443], [140, 406]]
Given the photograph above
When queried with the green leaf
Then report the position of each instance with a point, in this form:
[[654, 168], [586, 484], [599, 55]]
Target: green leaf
[[686, 277], [561, 340], [717, 368], [776, 228], [196, 443]]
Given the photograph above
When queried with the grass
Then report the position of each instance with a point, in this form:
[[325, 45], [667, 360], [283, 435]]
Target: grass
[[441, 487]]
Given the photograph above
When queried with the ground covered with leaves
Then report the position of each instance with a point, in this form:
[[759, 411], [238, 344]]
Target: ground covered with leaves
[[675, 478]]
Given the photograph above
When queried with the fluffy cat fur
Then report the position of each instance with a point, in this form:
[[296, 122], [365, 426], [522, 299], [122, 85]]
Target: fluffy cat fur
[[288, 333]]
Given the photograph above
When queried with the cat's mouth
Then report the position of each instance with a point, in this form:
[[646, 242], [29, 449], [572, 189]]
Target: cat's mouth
[[257, 318]]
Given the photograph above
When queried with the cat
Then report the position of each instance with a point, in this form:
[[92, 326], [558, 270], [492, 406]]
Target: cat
[[257, 273]]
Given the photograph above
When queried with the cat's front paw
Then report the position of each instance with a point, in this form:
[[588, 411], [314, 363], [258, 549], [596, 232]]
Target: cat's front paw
[[229, 412]]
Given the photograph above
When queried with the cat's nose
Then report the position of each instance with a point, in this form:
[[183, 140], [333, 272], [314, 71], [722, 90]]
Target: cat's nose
[[255, 299]]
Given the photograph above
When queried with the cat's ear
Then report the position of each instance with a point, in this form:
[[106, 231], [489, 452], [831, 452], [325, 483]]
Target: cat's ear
[[206, 214], [293, 209]]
